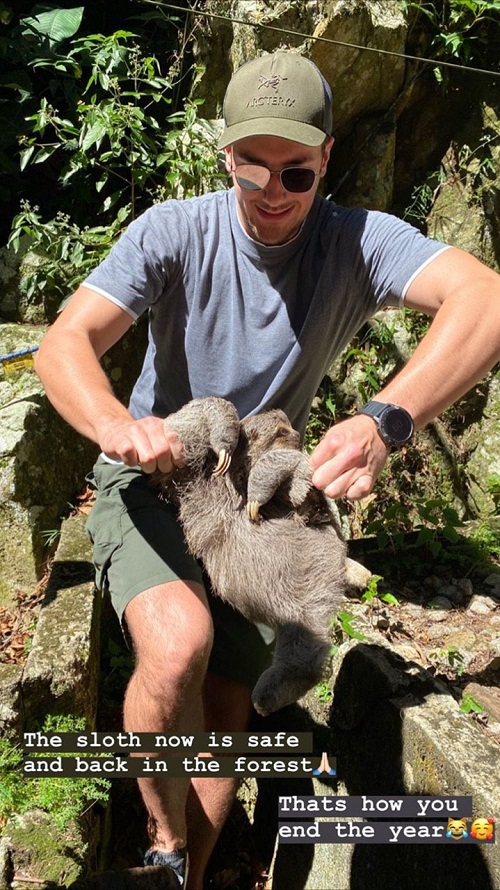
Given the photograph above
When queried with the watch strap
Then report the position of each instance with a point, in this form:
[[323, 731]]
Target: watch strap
[[379, 411]]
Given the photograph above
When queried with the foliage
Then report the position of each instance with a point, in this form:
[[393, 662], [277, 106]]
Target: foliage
[[435, 519], [323, 692], [372, 592], [104, 129], [66, 252], [449, 661], [108, 122], [461, 30], [63, 799], [322, 415], [343, 625], [469, 705]]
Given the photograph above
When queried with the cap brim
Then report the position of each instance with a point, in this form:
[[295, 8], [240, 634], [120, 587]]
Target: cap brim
[[295, 131]]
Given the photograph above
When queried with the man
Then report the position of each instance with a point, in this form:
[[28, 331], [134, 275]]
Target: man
[[251, 293]]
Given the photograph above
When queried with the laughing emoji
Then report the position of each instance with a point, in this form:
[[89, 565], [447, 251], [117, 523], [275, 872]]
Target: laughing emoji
[[457, 829]]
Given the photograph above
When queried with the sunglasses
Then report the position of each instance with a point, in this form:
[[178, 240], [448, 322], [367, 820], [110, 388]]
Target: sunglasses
[[253, 177]]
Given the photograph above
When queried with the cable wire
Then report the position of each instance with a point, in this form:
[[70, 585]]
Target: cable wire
[[189, 10]]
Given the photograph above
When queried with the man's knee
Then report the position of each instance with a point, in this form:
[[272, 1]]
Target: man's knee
[[172, 633]]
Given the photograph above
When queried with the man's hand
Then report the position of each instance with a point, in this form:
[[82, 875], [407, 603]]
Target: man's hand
[[143, 443], [349, 458]]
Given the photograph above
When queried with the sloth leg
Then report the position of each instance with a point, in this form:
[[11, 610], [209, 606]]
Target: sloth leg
[[298, 662]]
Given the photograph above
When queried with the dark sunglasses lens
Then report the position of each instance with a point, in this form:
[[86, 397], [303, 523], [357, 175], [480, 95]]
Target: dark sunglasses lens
[[297, 179]]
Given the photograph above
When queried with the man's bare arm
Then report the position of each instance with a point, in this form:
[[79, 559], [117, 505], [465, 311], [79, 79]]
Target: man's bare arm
[[461, 346], [68, 366]]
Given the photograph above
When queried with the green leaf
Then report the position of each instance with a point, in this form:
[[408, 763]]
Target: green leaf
[[470, 704], [345, 620], [55, 24], [390, 599], [94, 135], [45, 152], [26, 155], [424, 536]]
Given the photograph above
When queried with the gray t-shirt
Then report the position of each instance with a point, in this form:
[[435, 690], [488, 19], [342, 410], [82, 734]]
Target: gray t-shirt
[[254, 324]]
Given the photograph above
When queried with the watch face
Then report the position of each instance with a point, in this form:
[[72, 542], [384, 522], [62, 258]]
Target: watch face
[[397, 425]]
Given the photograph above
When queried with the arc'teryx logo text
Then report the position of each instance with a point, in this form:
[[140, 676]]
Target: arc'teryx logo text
[[271, 100]]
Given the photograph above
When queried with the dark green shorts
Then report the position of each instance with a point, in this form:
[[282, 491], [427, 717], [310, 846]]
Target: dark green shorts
[[138, 544]]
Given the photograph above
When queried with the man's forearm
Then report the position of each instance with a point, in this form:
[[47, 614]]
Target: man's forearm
[[77, 386], [461, 346]]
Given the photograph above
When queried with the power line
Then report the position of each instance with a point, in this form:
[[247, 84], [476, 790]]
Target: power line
[[386, 52]]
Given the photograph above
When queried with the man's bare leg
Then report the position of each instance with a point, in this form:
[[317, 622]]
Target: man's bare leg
[[171, 629], [227, 709]]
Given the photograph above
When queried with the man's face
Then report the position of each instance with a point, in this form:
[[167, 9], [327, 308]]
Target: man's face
[[272, 215]]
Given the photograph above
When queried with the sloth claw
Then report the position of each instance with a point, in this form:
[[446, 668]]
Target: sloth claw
[[223, 463], [253, 508]]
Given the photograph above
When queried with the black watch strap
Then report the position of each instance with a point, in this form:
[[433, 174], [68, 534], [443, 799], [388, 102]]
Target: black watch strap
[[394, 424]]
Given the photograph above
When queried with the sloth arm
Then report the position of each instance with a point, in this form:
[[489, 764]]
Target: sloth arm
[[272, 470]]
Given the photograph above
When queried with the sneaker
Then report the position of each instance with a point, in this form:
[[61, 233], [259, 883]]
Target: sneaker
[[176, 861]]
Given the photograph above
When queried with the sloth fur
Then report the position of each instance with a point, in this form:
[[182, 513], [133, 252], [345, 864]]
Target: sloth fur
[[265, 535]]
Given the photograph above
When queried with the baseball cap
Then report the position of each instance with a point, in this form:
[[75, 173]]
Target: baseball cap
[[281, 94]]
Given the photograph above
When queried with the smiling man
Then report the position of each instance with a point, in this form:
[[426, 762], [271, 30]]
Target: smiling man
[[274, 202], [251, 293]]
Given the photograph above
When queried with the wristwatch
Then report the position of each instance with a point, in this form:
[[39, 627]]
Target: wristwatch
[[394, 424]]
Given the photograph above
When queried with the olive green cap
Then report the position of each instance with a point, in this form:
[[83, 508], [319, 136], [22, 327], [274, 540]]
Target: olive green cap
[[281, 94]]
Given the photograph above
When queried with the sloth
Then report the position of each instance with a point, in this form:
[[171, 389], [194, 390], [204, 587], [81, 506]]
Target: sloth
[[266, 537]]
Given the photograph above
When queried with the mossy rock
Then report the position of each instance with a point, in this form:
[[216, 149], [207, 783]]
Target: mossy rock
[[42, 851]]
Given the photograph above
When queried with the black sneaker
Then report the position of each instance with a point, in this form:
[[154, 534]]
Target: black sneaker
[[176, 861]]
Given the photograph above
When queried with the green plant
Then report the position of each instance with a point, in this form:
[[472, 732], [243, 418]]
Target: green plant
[[432, 518], [448, 660], [469, 705], [421, 201], [343, 627], [323, 692], [62, 798], [50, 536], [372, 592], [323, 414], [493, 483], [66, 252], [116, 150], [368, 359], [440, 520], [115, 135], [459, 28]]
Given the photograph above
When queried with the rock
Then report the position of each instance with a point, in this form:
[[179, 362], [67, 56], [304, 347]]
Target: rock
[[39, 849], [42, 463], [466, 586], [415, 743], [61, 671], [6, 870], [441, 631], [364, 673], [10, 701], [493, 580], [361, 134], [462, 639], [452, 593], [480, 605], [439, 603], [357, 575]]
